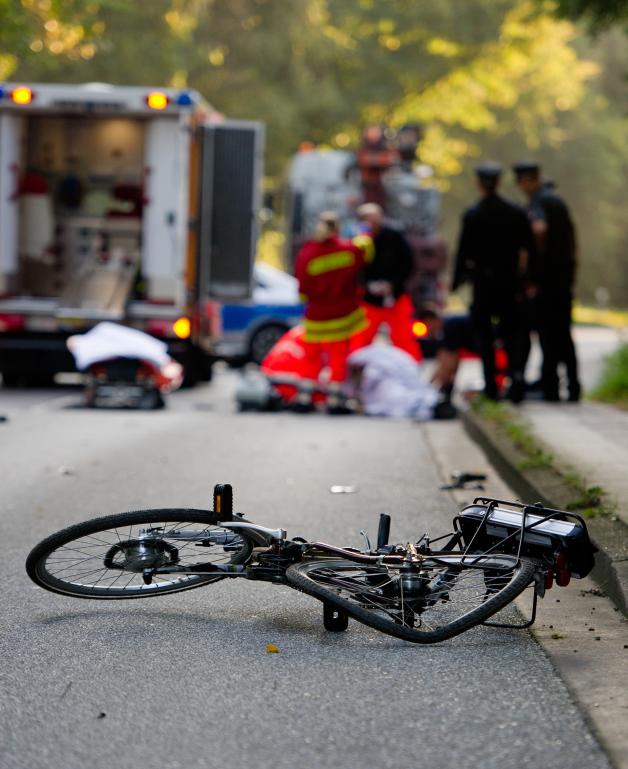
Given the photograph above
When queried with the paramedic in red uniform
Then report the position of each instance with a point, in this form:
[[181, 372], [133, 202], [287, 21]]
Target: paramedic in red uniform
[[328, 269], [386, 299]]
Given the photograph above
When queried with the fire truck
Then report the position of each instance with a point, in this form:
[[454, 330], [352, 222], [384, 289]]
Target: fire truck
[[382, 170], [127, 204]]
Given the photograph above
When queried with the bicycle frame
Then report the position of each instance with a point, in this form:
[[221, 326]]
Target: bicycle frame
[[462, 578]]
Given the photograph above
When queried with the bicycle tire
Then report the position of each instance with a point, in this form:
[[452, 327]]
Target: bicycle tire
[[114, 548], [348, 586]]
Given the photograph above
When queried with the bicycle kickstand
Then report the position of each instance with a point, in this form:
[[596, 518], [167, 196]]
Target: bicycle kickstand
[[335, 620]]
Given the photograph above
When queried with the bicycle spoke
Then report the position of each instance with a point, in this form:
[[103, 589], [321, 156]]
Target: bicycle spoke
[[115, 559], [452, 587]]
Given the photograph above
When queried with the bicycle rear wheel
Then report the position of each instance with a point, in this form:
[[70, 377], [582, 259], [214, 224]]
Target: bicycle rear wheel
[[110, 557], [450, 594]]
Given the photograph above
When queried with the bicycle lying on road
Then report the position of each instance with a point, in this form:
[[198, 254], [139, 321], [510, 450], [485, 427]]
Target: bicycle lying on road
[[416, 591]]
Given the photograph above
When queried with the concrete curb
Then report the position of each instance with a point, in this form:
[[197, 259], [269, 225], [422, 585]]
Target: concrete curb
[[610, 536]]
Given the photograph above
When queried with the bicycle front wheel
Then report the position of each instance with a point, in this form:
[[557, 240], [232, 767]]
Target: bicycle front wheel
[[121, 556], [448, 595]]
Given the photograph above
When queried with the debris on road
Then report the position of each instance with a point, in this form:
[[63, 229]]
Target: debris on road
[[66, 690], [272, 649], [460, 480], [342, 489]]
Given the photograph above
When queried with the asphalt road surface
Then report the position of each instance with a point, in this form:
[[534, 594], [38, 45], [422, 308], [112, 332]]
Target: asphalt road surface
[[185, 680]]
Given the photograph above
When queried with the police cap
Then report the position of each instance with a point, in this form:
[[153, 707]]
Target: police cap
[[527, 168], [488, 171]]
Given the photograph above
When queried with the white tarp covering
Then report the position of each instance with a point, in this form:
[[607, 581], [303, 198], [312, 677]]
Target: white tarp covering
[[391, 383], [110, 340]]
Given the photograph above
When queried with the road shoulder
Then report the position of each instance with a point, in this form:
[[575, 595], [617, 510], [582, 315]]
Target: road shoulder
[[583, 633]]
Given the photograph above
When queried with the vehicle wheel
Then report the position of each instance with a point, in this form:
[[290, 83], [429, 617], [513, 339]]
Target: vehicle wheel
[[9, 379], [264, 339], [450, 594], [197, 367], [109, 557], [151, 401], [41, 380]]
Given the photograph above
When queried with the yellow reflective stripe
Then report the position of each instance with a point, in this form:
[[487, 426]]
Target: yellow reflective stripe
[[334, 336], [328, 262], [366, 245], [335, 323]]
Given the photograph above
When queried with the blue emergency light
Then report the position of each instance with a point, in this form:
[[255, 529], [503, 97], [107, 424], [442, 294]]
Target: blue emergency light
[[185, 99]]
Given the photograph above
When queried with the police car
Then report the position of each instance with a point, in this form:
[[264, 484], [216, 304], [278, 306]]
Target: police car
[[250, 329]]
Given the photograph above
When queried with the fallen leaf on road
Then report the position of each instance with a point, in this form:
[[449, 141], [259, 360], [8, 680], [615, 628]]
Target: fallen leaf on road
[[272, 649]]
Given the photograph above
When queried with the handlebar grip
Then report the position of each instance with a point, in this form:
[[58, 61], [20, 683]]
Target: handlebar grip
[[383, 530]]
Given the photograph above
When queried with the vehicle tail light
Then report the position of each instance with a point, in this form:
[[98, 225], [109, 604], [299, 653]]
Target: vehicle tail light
[[12, 322], [99, 373], [164, 329], [182, 328], [420, 329], [146, 373], [159, 328]]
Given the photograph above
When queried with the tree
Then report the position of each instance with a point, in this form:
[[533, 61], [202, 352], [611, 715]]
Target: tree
[[497, 78], [599, 13]]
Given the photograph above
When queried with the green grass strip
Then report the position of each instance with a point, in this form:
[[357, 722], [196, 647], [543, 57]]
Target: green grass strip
[[589, 501]]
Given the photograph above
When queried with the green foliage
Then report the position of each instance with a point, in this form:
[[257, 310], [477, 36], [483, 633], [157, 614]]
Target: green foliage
[[518, 432], [599, 13], [487, 78], [590, 501], [613, 384]]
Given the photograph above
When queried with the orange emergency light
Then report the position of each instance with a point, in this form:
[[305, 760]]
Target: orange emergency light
[[21, 95], [182, 328], [419, 329], [157, 100]]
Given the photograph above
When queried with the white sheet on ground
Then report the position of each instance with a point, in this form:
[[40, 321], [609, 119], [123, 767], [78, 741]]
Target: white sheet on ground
[[391, 383], [110, 340]]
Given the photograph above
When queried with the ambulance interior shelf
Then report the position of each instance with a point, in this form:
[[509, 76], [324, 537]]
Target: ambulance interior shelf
[[80, 208], [89, 261]]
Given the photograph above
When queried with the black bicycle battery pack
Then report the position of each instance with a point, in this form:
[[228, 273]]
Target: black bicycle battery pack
[[530, 530]]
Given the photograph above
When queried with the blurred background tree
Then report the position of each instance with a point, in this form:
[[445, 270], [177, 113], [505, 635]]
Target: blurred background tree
[[600, 14], [505, 79]]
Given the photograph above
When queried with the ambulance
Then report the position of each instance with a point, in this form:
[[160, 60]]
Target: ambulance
[[121, 203]]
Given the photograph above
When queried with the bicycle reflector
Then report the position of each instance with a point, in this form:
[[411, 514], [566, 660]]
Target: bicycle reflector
[[182, 328], [157, 100], [21, 95]]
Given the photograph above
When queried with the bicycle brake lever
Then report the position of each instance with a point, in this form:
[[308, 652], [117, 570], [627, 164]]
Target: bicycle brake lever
[[367, 541]]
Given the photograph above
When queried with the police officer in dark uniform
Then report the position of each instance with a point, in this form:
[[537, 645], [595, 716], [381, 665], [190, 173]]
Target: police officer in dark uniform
[[495, 242], [552, 275]]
